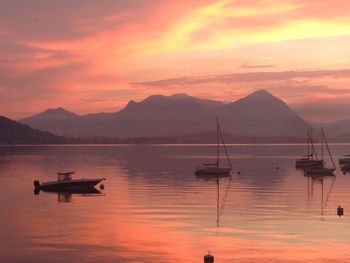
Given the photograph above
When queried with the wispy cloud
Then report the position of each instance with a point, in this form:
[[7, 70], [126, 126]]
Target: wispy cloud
[[250, 66], [247, 77]]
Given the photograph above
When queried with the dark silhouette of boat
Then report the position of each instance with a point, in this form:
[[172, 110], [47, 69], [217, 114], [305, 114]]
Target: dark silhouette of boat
[[67, 183], [214, 169], [345, 160], [311, 159], [317, 170]]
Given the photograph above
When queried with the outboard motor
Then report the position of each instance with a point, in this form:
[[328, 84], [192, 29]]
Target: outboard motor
[[340, 211], [37, 184]]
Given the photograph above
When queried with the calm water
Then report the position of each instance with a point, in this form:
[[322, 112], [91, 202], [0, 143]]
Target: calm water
[[153, 208]]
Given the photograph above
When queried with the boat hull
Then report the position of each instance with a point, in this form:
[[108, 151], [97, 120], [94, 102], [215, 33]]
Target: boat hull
[[344, 161], [72, 185], [213, 171], [319, 171], [345, 167], [308, 163]]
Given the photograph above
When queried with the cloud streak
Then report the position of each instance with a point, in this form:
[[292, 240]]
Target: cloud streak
[[247, 77]]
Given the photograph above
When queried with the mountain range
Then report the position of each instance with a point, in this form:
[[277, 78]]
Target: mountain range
[[12, 132], [258, 114]]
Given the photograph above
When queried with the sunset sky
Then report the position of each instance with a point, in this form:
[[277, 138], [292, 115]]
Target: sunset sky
[[92, 56]]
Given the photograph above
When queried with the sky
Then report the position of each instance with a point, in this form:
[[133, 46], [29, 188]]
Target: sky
[[94, 56]]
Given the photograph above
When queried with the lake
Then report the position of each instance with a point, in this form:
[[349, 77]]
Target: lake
[[154, 209]]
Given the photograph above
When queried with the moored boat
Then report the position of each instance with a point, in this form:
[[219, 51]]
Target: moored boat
[[311, 159], [66, 182], [321, 170], [214, 169], [307, 162], [345, 160]]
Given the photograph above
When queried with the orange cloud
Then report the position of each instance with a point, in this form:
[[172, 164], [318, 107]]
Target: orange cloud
[[91, 51]]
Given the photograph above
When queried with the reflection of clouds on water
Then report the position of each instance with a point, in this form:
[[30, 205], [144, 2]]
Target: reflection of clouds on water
[[156, 210]]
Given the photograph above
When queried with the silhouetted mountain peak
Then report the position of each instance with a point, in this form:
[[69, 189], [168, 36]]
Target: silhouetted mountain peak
[[130, 103], [261, 94], [178, 102], [56, 113], [177, 96], [260, 98]]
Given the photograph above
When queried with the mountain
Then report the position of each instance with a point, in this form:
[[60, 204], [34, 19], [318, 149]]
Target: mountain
[[259, 114], [12, 132], [58, 121], [344, 138], [338, 128], [57, 114], [262, 114]]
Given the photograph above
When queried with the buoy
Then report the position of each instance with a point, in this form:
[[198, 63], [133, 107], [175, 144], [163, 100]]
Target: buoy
[[277, 167], [208, 258], [340, 211], [102, 186], [238, 172]]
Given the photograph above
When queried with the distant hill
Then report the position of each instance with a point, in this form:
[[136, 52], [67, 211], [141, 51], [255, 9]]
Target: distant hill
[[259, 114], [262, 114], [58, 121], [12, 132], [338, 128], [210, 138], [342, 138]]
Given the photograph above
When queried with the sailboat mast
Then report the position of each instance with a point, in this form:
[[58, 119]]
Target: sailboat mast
[[312, 146], [223, 143], [218, 202], [324, 136], [217, 142], [322, 143], [308, 144]]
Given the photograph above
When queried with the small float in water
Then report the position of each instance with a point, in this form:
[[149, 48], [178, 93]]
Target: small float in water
[[66, 182]]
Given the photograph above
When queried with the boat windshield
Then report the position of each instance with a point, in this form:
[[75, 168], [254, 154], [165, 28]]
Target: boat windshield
[[64, 176]]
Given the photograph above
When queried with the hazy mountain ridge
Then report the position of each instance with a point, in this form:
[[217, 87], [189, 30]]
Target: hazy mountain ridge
[[338, 128], [12, 132], [259, 114]]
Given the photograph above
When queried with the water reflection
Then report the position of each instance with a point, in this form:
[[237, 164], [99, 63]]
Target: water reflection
[[67, 196], [220, 201], [325, 193], [156, 210]]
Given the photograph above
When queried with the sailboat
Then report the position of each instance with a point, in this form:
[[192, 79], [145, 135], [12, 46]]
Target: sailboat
[[345, 160], [308, 160], [214, 169], [322, 170]]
